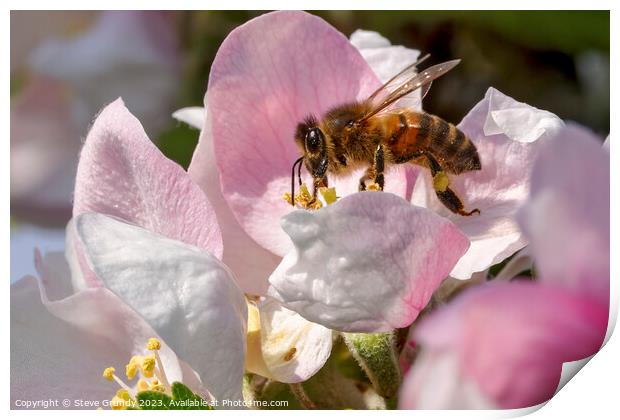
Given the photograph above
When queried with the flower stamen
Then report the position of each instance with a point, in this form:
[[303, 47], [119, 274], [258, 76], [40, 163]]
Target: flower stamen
[[122, 400], [306, 201], [148, 366], [154, 345], [109, 374]]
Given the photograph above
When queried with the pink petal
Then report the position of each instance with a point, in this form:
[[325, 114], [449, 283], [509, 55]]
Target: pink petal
[[567, 217], [368, 263], [511, 339], [267, 76], [251, 263], [508, 135], [121, 173], [44, 147]]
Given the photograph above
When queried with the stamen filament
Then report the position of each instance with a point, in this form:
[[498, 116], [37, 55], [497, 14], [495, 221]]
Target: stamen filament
[[159, 371]]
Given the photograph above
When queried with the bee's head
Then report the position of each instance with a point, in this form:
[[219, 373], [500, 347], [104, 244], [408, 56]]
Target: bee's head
[[311, 140]]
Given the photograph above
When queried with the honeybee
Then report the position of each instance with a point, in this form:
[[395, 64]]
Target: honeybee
[[374, 135]]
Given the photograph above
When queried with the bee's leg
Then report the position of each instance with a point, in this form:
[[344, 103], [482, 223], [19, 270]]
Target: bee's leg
[[375, 172], [379, 167], [368, 175], [317, 183], [444, 193]]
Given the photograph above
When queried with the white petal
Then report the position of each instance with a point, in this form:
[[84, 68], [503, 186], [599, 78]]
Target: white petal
[[188, 296], [194, 116], [517, 120], [508, 136], [521, 261], [383, 58], [293, 348], [386, 60], [362, 40], [368, 263], [81, 276]]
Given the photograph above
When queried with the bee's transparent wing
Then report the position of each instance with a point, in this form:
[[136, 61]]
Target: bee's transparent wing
[[406, 82], [401, 77]]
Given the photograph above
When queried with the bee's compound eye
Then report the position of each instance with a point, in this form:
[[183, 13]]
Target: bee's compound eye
[[313, 140]]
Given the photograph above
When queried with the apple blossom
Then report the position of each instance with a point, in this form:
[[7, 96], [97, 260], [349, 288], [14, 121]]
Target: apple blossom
[[122, 174], [248, 259], [303, 66], [62, 338], [504, 343], [507, 133]]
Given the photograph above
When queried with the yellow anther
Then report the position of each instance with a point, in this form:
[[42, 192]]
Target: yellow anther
[[153, 344], [148, 366], [156, 386], [290, 354], [329, 194], [305, 200], [441, 181], [373, 187], [131, 369], [121, 401], [304, 194], [123, 393], [142, 385], [118, 404], [108, 373]]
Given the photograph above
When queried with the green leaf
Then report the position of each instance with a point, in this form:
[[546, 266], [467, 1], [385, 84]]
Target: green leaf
[[153, 400], [184, 399]]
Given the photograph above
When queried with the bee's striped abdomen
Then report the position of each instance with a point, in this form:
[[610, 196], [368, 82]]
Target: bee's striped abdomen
[[450, 146], [409, 135]]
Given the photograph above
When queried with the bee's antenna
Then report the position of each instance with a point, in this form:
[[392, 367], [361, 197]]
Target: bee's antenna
[[298, 161]]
